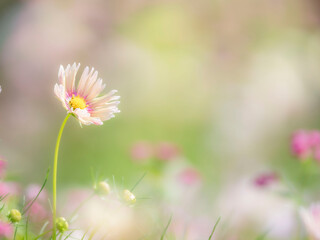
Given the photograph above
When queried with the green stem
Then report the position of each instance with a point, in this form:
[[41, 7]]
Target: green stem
[[15, 231], [54, 182]]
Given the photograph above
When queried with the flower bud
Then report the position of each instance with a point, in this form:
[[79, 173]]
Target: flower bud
[[62, 224], [129, 197], [103, 188], [14, 216]]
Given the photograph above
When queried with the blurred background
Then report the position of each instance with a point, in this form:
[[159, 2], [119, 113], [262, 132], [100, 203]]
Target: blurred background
[[211, 92]]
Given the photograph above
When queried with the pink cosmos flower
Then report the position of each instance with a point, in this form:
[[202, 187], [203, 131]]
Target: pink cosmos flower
[[37, 212], [317, 154], [33, 190], [189, 176], [314, 139], [83, 102], [6, 230], [305, 144], [300, 144], [167, 151], [141, 151], [9, 188], [265, 179], [311, 219]]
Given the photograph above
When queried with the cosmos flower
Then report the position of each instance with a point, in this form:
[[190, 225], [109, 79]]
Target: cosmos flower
[[266, 179], [32, 192], [167, 151], [300, 144], [189, 176], [9, 188], [141, 151], [306, 144], [6, 230], [83, 102], [311, 219]]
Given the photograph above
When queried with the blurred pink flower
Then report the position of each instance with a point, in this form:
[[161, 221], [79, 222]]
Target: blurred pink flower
[[6, 230], [191, 227], [141, 151], [73, 198], [83, 101], [316, 154], [167, 151], [9, 188], [189, 176], [306, 144], [314, 139], [300, 144], [32, 191], [311, 219], [265, 179], [37, 212]]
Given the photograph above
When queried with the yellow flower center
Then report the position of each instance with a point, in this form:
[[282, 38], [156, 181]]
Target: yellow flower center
[[77, 102]]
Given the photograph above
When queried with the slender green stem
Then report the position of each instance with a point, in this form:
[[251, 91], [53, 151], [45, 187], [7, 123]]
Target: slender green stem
[[15, 231], [54, 182]]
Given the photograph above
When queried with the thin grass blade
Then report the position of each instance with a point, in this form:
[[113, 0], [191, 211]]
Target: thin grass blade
[[137, 183], [214, 228], [42, 187], [166, 228]]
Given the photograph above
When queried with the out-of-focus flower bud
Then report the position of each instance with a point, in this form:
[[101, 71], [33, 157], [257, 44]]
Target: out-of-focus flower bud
[[103, 188], [62, 224], [129, 197], [14, 216]]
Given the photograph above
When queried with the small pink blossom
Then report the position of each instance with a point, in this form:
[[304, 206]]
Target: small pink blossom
[[300, 144], [265, 179], [9, 188], [314, 139], [306, 144], [167, 151], [32, 191], [317, 154], [189, 176], [37, 212], [6, 230], [141, 151]]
